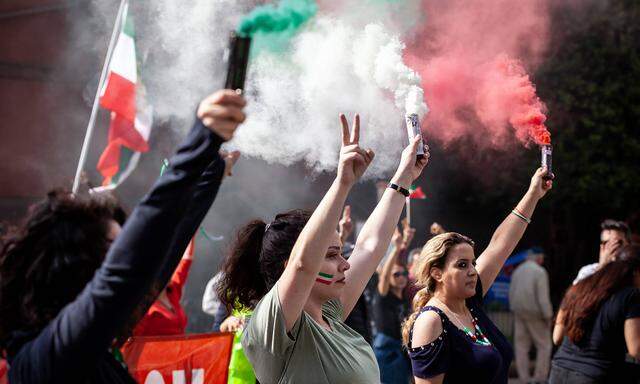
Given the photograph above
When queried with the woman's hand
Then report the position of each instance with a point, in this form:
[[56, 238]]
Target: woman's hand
[[410, 166], [230, 159], [539, 186], [222, 112], [232, 324], [407, 233], [353, 159], [396, 239], [345, 225]]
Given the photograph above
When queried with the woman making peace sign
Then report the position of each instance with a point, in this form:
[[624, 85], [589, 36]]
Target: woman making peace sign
[[293, 273]]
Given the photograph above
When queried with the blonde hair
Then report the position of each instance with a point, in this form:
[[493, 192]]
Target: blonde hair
[[433, 255]]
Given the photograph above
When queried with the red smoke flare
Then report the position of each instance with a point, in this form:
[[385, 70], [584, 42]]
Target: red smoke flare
[[527, 111], [464, 53]]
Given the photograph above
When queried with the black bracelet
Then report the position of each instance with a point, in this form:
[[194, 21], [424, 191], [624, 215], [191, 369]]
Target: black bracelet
[[398, 188]]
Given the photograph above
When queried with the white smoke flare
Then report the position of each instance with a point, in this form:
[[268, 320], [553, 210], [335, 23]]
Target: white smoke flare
[[334, 67]]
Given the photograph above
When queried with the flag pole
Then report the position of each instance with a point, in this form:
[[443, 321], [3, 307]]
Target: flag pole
[[96, 99]]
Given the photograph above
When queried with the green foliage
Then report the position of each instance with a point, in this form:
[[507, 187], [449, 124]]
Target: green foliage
[[591, 86]]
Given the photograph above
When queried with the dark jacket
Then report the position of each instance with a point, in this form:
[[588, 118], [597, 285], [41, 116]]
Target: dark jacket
[[74, 347]]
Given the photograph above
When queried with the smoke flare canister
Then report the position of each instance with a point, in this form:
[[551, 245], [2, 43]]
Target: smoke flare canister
[[413, 129], [237, 57], [546, 151]]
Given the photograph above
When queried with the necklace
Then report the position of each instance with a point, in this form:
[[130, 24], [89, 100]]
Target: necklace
[[478, 337]]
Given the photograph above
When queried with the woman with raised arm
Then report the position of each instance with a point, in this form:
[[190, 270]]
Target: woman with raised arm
[[390, 308], [449, 337], [293, 273], [70, 280]]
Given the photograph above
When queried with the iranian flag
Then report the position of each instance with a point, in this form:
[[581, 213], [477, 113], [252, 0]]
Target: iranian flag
[[416, 193], [131, 117]]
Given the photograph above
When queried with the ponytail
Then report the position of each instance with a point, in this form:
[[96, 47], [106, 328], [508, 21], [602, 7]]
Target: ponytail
[[420, 300], [241, 282], [258, 257]]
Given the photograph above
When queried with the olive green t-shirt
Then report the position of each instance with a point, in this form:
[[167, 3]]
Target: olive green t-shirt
[[310, 353]]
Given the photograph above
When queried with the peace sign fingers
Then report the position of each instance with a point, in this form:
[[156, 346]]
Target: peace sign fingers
[[348, 137]]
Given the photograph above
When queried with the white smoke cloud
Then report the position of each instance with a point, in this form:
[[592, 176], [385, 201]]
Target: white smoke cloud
[[347, 59], [334, 66]]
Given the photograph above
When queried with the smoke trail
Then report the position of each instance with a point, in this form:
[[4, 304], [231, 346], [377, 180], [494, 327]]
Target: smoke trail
[[272, 27], [289, 15], [527, 112], [335, 66], [464, 55], [378, 56]]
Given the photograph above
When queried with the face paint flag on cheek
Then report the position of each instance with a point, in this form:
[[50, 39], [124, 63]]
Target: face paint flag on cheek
[[324, 278]]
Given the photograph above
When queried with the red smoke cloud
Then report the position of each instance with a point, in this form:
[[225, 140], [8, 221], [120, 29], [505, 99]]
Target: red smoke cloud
[[466, 53]]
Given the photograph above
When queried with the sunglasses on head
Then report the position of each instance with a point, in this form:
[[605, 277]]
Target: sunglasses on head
[[398, 274]]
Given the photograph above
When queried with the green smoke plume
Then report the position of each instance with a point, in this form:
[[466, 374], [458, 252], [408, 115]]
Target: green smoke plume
[[274, 25]]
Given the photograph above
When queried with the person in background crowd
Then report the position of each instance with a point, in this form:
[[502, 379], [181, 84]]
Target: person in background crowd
[[359, 318], [449, 336], [412, 289], [437, 229], [613, 236], [390, 309], [212, 305], [67, 288], [531, 305], [166, 316], [598, 322], [293, 273]]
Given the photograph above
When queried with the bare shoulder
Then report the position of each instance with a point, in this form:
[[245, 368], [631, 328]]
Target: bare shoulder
[[426, 329]]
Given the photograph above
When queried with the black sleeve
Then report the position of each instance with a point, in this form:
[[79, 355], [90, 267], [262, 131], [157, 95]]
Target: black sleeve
[[632, 304], [203, 196], [85, 328]]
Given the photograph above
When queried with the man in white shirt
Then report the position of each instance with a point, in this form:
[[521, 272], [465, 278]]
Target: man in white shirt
[[614, 235], [530, 302]]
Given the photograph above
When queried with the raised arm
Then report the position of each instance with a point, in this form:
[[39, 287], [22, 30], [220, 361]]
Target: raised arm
[[294, 286], [375, 235], [510, 231], [385, 273], [86, 327]]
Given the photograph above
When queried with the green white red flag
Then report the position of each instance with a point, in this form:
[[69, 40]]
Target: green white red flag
[[131, 117]]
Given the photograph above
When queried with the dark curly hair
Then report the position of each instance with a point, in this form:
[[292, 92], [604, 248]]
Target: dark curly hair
[[257, 258], [47, 262]]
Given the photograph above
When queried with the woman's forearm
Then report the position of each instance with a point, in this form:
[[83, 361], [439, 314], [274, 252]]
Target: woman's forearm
[[308, 254], [311, 246], [510, 231], [505, 238]]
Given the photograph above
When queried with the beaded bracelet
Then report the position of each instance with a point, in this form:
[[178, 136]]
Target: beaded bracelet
[[520, 215]]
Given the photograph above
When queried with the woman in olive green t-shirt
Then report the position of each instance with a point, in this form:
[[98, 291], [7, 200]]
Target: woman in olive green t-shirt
[[293, 273]]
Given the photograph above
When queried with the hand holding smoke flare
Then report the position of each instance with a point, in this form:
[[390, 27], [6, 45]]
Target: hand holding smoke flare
[[528, 116], [237, 62], [332, 65], [288, 16], [391, 73]]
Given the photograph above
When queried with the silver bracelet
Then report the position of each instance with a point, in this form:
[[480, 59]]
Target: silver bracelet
[[520, 215]]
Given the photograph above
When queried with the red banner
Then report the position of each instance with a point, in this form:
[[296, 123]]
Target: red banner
[[185, 359], [3, 371]]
